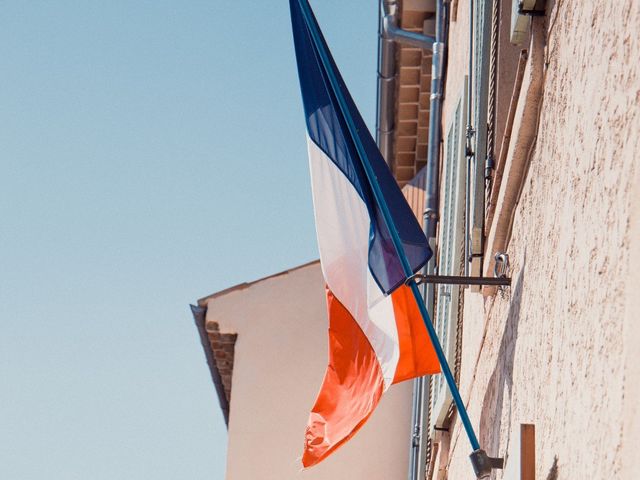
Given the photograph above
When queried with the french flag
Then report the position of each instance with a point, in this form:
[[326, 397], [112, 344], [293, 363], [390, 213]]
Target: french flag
[[376, 333]]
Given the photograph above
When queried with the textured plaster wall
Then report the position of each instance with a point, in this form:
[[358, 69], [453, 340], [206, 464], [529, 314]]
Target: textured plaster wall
[[280, 360], [560, 350]]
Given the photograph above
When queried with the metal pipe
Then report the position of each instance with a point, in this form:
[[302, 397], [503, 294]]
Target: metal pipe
[[416, 430], [421, 385], [420, 428], [432, 203], [469, 153], [386, 93], [393, 32], [389, 33], [432, 187]]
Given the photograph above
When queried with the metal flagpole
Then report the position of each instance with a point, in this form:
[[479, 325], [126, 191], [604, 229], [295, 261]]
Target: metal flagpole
[[482, 464]]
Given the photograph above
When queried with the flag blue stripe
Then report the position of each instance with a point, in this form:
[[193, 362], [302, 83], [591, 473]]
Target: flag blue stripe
[[327, 128]]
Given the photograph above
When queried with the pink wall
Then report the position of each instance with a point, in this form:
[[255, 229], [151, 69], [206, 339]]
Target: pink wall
[[280, 358], [561, 349]]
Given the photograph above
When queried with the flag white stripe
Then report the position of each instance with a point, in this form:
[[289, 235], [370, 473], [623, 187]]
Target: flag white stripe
[[343, 227]]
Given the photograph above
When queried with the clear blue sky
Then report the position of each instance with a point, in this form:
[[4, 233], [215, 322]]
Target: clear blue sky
[[152, 152]]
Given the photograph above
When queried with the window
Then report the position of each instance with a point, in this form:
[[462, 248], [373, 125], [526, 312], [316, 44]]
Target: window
[[450, 255]]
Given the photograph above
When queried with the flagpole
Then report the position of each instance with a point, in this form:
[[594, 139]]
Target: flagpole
[[481, 462]]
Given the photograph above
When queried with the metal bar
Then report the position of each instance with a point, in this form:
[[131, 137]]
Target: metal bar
[[446, 371], [455, 280]]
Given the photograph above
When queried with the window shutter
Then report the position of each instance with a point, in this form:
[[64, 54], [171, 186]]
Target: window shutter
[[450, 253]]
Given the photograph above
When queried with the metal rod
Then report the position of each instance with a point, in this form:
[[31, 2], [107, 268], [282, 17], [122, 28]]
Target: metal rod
[[455, 280], [373, 182]]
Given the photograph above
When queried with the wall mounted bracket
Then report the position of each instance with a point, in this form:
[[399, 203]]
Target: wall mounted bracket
[[483, 464], [456, 280]]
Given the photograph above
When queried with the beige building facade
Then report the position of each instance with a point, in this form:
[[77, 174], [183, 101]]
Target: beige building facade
[[558, 349]]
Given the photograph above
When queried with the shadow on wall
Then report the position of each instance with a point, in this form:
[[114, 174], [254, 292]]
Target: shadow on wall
[[553, 471], [501, 380]]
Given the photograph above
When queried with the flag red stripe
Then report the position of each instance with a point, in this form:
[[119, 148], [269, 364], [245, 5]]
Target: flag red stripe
[[417, 356], [351, 389]]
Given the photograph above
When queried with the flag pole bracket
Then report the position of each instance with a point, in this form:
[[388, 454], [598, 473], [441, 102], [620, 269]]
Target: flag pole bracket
[[419, 278], [500, 278], [483, 464]]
